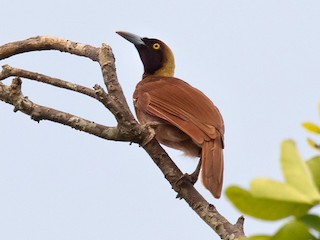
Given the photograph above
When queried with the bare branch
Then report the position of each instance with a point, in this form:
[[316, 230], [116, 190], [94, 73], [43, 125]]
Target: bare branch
[[121, 111], [8, 71], [99, 93], [13, 95], [205, 210], [128, 128], [48, 43]]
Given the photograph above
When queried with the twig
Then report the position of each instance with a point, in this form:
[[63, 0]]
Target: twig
[[13, 95], [8, 71], [107, 63], [48, 43]]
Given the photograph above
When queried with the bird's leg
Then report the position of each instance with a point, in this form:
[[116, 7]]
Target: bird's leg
[[192, 178], [195, 174]]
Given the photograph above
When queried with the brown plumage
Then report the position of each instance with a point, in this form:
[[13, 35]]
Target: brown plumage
[[182, 116]]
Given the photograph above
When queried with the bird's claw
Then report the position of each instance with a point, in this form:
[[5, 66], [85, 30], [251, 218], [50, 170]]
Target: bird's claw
[[185, 178], [190, 178]]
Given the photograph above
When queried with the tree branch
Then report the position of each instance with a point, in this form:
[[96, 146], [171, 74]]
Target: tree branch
[[13, 95], [48, 43], [128, 128], [8, 71], [121, 108]]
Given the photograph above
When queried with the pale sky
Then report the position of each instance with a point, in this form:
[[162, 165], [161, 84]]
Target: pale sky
[[258, 61]]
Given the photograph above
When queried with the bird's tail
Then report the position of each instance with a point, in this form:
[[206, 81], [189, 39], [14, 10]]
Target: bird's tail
[[212, 166]]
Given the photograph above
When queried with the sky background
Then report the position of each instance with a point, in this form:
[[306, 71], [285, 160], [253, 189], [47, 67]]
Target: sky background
[[258, 61]]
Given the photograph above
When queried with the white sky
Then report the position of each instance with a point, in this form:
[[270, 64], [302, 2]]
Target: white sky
[[257, 60]]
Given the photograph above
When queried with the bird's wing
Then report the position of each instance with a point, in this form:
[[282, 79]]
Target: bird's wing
[[180, 104]]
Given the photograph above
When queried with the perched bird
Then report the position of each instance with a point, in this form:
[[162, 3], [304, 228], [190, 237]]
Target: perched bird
[[182, 116]]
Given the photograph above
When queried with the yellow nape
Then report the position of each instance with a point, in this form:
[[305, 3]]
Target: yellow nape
[[167, 69]]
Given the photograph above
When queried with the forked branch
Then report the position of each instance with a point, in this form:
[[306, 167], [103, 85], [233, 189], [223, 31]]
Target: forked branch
[[113, 99]]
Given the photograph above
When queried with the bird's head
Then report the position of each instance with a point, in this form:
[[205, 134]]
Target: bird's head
[[156, 56]]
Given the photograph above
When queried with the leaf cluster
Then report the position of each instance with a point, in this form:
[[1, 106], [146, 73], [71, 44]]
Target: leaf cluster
[[268, 199]]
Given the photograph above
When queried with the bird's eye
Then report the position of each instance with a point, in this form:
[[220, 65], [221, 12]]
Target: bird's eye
[[156, 46]]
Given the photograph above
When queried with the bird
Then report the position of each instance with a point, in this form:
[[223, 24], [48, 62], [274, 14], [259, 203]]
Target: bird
[[182, 116]]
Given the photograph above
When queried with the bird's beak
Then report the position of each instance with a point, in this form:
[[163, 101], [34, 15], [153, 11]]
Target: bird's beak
[[135, 39]]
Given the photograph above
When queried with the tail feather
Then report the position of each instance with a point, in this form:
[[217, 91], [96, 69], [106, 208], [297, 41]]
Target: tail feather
[[212, 166]]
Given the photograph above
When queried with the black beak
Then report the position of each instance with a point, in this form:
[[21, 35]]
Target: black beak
[[135, 39]]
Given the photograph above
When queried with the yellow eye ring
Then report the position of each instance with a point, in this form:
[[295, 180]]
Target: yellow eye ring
[[156, 46]]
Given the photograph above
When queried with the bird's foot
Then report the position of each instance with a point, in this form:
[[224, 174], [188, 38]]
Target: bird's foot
[[184, 179], [190, 178]]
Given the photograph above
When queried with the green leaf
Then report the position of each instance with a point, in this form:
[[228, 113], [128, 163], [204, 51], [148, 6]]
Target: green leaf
[[270, 189], [314, 166], [311, 221], [271, 200], [311, 127], [313, 144], [293, 230], [259, 237], [296, 172], [263, 208]]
